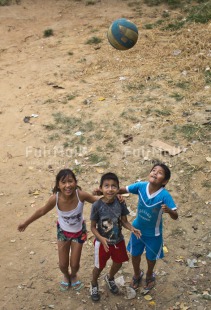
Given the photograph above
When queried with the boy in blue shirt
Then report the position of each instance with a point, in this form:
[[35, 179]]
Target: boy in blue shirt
[[154, 200]]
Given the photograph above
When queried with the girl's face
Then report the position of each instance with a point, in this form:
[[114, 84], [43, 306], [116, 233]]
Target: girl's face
[[157, 176], [67, 185]]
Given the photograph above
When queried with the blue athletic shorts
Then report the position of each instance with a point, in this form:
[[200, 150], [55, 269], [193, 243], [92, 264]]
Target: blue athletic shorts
[[152, 245]]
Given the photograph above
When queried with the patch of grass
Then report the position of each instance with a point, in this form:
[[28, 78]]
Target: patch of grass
[[174, 26], [66, 121], [133, 4], [77, 169], [87, 127], [208, 77], [200, 13], [177, 96], [99, 135], [177, 232], [95, 158], [194, 132], [94, 40], [70, 97], [67, 144], [50, 127], [48, 33], [206, 183], [53, 137], [81, 60], [70, 53], [172, 3], [5, 2], [48, 101], [134, 86], [164, 112], [90, 2], [182, 85], [111, 147], [130, 115], [151, 26]]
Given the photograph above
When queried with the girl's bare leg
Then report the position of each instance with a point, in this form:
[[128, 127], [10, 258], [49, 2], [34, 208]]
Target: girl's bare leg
[[75, 257], [63, 251]]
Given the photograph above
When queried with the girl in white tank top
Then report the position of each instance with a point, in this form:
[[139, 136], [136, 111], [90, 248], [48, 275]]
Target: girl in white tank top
[[69, 200]]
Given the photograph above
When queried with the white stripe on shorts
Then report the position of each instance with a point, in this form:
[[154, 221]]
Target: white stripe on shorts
[[97, 249], [159, 252]]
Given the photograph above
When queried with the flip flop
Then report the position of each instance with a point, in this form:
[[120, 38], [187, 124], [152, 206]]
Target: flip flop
[[77, 285], [136, 282], [148, 287], [64, 286]]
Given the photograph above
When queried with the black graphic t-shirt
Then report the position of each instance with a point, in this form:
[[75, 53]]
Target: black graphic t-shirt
[[108, 218]]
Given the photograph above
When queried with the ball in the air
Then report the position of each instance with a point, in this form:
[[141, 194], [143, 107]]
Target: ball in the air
[[122, 34]]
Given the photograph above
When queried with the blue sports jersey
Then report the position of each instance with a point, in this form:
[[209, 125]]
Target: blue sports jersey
[[149, 212]]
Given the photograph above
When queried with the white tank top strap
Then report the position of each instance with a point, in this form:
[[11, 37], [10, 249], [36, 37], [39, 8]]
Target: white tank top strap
[[57, 198], [78, 195]]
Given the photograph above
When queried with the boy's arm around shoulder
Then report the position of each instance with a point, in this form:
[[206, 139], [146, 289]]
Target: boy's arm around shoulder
[[38, 213], [122, 190]]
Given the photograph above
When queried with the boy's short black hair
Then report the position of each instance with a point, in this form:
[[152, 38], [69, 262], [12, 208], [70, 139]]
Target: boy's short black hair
[[109, 176], [166, 170]]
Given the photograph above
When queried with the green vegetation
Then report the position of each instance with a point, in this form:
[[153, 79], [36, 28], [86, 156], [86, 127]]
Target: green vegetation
[[208, 77], [177, 96], [206, 183], [95, 158], [191, 12], [48, 33], [90, 2], [194, 131], [94, 40]]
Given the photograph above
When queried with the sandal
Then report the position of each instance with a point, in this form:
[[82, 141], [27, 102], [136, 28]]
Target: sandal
[[136, 281], [150, 282], [64, 286], [77, 285]]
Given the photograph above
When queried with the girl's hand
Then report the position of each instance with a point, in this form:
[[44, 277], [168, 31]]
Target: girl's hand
[[97, 192], [104, 242], [136, 232], [22, 227]]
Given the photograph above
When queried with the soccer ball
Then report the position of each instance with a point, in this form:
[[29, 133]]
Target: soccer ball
[[122, 34]]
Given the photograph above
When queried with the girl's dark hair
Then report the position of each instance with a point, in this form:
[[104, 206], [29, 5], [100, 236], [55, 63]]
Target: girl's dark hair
[[166, 170], [61, 176], [109, 176]]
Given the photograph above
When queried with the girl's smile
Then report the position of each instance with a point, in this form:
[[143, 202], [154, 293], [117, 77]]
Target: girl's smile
[[67, 185]]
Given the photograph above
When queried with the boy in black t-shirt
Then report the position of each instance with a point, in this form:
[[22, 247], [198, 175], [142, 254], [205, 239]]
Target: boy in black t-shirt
[[108, 216]]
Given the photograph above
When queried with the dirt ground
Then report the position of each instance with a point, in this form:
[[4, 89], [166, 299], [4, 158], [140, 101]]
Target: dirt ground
[[95, 109]]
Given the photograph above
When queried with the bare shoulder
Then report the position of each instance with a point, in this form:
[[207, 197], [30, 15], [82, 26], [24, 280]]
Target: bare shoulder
[[84, 196], [52, 200]]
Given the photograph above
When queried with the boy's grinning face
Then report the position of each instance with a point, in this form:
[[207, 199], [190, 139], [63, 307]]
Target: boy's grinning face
[[157, 176], [109, 189]]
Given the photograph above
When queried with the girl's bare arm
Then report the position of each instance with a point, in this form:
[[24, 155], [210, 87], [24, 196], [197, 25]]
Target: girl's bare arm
[[38, 213]]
